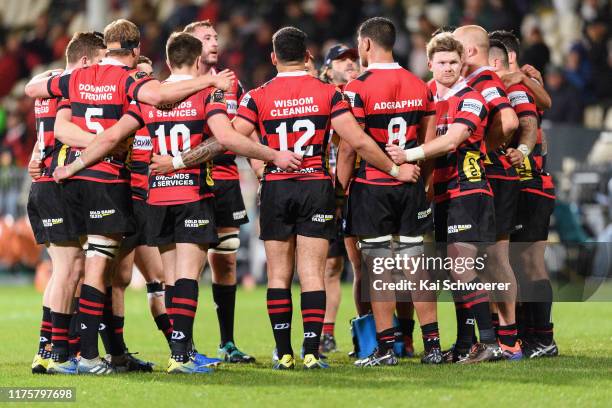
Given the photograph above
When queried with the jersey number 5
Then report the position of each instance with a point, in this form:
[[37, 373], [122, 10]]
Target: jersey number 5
[[298, 146], [95, 127]]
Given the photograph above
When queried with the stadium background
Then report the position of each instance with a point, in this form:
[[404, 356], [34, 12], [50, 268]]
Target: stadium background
[[567, 40]]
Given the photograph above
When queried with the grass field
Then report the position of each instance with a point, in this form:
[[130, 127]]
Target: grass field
[[582, 375]]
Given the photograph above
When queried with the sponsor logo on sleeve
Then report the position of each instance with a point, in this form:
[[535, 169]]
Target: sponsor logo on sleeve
[[351, 97], [518, 97], [245, 99], [490, 93], [472, 106]]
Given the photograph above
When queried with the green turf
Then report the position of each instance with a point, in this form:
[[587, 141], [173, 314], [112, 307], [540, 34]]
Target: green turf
[[581, 376]]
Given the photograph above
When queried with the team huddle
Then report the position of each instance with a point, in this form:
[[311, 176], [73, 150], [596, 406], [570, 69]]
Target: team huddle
[[128, 170]]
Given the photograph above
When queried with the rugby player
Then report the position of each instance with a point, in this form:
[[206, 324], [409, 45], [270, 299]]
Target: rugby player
[[535, 205], [99, 197], [49, 221], [522, 143], [464, 209], [135, 251], [339, 68], [394, 106], [230, 211], [298, 208], [502, 122], [181, 202]]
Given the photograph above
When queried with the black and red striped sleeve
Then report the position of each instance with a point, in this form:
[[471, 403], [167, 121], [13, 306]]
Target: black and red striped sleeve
[[522, 101], [357, 106], [134, 81], [247, 109], [430, 105], [135, 111], [215, 103], [239, 91], [471, 111], [59, 86], [494, 94], [339, 104], [63, 104]]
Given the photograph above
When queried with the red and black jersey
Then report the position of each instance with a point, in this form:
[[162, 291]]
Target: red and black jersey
[[141, 148], [224, 165], [485, 81], [99, 95], [176, 128], [389, 102], [60, 152], [45, 111], [461, 172], [533, 176], [293, 112]]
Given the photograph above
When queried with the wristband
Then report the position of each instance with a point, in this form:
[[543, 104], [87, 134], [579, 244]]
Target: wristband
[[177, 162], [523, 149], [394, 172], [415, 154]]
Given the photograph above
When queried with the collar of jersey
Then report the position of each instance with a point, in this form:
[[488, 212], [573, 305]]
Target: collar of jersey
[[112, 61], [178, 77], [459, 85], [477, 72], [384, 65], [291, 74]]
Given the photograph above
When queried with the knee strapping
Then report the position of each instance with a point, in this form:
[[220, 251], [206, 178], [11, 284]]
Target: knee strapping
[[382, 242], [409, 246], [155, 289], [229, 242], [105, 248]]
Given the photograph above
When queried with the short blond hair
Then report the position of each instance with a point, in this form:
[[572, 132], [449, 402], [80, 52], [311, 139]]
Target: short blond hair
[[123, 33], [190, 28], [443, 42]]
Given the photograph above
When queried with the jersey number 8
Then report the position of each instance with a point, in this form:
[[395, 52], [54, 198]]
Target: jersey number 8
[[397, 131]]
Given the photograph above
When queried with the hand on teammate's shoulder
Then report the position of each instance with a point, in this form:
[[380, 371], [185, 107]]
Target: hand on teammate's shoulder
[[223, 80]]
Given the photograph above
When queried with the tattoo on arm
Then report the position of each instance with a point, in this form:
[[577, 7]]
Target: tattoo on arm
[[529, 130], [203, 152]]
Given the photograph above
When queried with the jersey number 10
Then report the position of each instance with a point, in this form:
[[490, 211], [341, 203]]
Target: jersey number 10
[[175, 131]]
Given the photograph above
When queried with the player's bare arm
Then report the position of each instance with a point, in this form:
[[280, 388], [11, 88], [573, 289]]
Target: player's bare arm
[[426, 133], [536, 85], [156, 93], [37, 87], [258, 166], [203, 152], [35, 164], [346, 126], [101, 145], [504, 124], [236, 137], [527, 136], [532, 79], [439, 146], [226, 138], [68, 132], [345, 163]]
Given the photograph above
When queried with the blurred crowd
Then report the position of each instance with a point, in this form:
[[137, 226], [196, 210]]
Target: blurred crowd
[[567, 40]]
